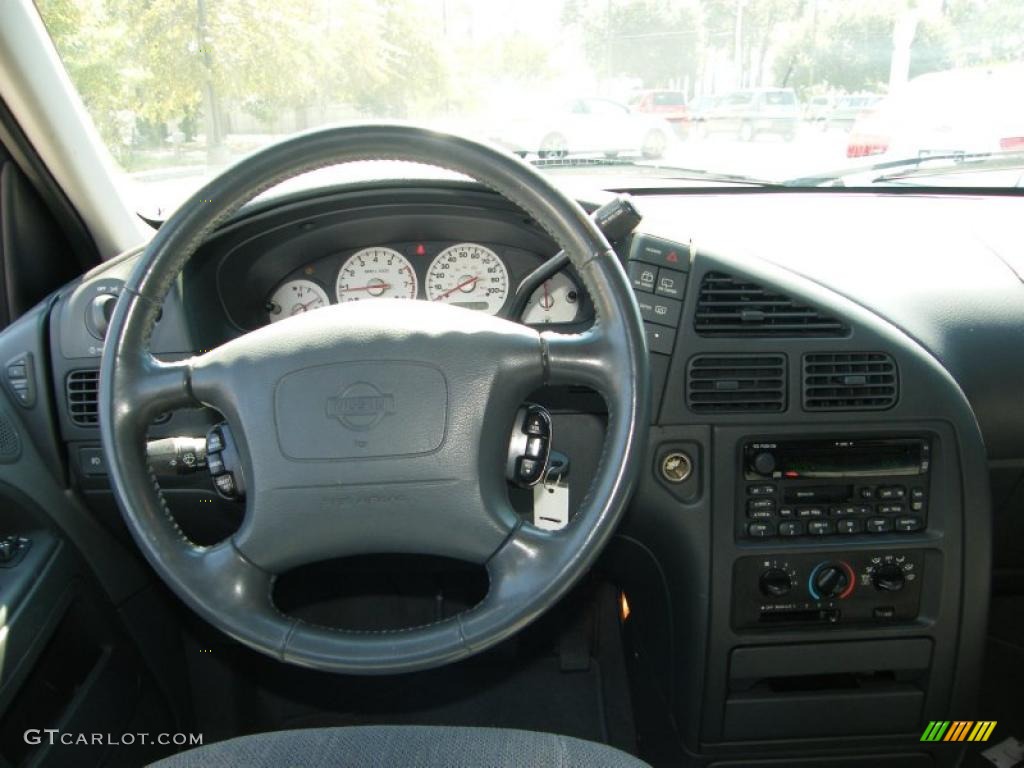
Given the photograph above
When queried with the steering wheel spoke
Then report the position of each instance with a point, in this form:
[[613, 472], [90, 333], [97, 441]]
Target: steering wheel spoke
[[582, 358]]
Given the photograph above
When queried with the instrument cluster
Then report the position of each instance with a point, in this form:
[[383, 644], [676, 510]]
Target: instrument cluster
[[465, 274]]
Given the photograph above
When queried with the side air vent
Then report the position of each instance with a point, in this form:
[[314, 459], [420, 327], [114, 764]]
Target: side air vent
[[83, 391], [736, 383], [729, 306], [856, 381]]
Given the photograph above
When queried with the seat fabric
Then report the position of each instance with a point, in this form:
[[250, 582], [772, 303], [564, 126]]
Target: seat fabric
[[385, 746]]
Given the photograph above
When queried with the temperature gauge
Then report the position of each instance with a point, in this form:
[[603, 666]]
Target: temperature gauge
[[557, 301], [294, 298]]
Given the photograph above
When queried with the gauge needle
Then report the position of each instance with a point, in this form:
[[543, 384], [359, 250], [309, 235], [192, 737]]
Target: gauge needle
[[450, 291], [547, 297], [370, 287]]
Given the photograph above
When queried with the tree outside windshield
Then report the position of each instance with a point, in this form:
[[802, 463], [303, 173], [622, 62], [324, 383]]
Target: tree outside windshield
[[767, 88]]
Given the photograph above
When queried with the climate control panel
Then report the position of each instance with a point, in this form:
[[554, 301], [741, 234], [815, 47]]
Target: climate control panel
[[808, 589]]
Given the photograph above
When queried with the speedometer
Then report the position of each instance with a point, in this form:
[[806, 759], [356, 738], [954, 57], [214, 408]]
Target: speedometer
[[468, 275], [374, 273]]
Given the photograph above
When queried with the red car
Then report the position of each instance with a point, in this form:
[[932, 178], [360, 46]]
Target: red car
[[669, 105]]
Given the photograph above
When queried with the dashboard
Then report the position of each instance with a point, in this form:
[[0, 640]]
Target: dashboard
[[808, 550]]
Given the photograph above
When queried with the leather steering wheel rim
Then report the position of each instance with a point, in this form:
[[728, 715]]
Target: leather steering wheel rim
[[484, 368]]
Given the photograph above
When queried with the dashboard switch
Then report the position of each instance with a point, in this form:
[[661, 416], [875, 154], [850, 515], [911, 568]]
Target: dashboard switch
[[92, 462], [671, 284], [654, 309], [660, 339], [642, 276]]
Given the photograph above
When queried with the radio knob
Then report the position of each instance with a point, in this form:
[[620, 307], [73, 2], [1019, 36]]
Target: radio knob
[[829, 580], [775, 582], [764, 463], [889, 578]]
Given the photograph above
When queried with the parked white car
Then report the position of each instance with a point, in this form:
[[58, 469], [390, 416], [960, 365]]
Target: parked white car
[[961, 111], [584, 126]]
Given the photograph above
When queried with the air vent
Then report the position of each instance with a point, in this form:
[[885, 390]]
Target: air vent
[[857, 381], [83, 390], [728, 306], [736, 383]]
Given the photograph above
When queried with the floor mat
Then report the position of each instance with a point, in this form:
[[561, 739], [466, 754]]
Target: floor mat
[[536, 696]]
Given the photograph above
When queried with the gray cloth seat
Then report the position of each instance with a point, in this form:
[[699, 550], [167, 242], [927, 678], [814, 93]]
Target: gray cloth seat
[[387, 746]]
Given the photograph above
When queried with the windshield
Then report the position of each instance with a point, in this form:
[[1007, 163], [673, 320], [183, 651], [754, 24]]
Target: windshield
[[645, 89]]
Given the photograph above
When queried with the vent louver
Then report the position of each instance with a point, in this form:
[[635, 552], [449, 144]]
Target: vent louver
[[83, 390], [857, 381], [736, 383], [730, 306]]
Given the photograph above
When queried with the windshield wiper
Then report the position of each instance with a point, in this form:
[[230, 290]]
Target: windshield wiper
[[915, 166]]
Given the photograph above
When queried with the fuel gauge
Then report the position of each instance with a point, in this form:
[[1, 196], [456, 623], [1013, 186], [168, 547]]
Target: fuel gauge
[[294, 298]]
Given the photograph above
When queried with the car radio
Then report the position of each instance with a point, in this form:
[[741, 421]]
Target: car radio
[[822, 487]]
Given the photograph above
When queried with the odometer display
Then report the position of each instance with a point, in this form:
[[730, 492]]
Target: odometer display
[[468, 275]]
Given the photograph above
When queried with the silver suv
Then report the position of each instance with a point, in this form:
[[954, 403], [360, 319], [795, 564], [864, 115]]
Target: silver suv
[[752, 111]]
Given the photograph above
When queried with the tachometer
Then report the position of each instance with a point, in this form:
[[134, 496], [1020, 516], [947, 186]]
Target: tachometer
[[294, 298], [374, 273], [468, 275], [557, 301]]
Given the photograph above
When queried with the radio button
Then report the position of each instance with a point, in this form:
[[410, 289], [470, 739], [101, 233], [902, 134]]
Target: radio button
[[843, 511], [760, 490], [767, 505], [917, 494], [891, 509], [849, 526], [760, 514], [908, 524], [761, 530], [820, 527], [867, 493], [864, 509], [809, 512], [786, 512], [790, 528], [879, 525], [892, 492]]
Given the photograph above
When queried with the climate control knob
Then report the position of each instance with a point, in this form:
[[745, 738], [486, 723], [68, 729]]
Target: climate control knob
[[775, 582], [831, 580], [889, 578]]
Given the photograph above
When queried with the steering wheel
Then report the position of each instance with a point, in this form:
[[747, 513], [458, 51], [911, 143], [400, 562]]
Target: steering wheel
[[433, 392]]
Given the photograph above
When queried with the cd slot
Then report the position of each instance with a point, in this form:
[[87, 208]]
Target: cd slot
[[806, 494]]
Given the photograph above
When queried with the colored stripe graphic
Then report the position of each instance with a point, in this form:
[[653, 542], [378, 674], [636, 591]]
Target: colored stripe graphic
[[935, 730], [958, 730], [982, 730]]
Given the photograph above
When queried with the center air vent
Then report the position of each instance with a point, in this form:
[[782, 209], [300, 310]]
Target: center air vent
[[729, 306], [83, 390], [853, 381], [736, 383]]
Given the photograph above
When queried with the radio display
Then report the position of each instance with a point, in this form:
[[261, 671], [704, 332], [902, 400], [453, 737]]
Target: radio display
[[837, 458]]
